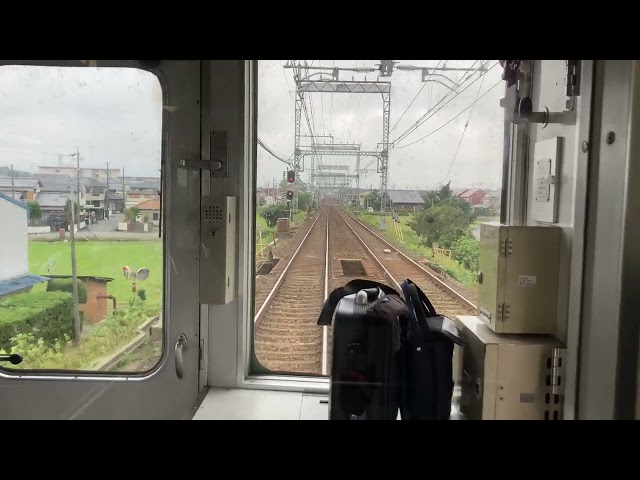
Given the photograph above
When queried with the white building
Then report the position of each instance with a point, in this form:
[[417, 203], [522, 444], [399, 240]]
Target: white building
[[14, 254]]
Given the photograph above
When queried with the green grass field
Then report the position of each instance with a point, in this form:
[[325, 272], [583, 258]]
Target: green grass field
[[103, 259]]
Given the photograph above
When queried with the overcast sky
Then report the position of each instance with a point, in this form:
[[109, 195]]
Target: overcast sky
[[115, 115], [358, 118], [111, 115]]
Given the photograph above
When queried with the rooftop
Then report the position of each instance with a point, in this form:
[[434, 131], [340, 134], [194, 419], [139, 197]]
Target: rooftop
[[84, 277], [58, 199], [18, 283], [405, 196], [19, 203], [149, 205]]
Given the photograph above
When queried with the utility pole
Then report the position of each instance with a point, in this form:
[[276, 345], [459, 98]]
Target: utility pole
[[106, 195], [124, 192], [12, 186], [74, 276], [78, 174]]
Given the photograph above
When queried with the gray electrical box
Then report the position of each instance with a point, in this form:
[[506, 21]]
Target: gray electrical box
[[510, 377], [518, 278], [218, 249]]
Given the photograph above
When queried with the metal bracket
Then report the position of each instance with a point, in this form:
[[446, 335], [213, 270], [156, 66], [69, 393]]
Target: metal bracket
[[219, 163], [519, 110]]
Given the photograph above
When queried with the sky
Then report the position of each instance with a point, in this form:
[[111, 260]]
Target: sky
[[357, 118], [110, 114], [115, 116]]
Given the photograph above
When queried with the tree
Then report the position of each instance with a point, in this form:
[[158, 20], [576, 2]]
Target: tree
[[272, 213], [131, 214], [35, 212], [372, 199], [443, 224]]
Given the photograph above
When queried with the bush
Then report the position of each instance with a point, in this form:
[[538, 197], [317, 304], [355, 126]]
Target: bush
[[110, 335], [47, 315], [66, 285], [142, 294], [466, 250]]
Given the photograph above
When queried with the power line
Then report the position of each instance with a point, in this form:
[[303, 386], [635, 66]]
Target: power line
[[424, 84], [263, 145], [431, 112], [451, 120], [427, 115], [286, 81], [463, 132], [357, 107]]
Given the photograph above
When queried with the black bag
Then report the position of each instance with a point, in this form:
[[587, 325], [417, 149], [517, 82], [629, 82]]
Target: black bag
[[366, 360], [427, 358]]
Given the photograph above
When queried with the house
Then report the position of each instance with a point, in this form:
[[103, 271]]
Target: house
[[492, 199], [53, 205], [100, 174], [14, 254], [150, 208], [474, 196], [405, 200], [23, 188], [139, 191]]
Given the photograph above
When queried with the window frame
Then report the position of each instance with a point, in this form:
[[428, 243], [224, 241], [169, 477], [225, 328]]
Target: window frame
[[301, 383], [87, 375]]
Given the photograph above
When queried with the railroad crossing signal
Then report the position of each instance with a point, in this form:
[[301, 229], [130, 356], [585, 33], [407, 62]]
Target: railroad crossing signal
[[291, 176]]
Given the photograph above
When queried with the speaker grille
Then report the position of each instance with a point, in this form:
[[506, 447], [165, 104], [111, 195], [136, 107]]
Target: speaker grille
[[213, 214]]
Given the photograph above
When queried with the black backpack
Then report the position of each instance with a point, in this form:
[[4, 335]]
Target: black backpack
[[427, 358], [411, 368]]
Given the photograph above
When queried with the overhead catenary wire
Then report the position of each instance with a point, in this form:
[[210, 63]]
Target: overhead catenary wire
[[414, 98], [452, 119], [455, 154], [272, 153], [432, 111], [422, 119]]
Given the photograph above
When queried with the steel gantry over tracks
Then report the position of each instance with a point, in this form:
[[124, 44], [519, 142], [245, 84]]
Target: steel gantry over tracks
[[335, 85]]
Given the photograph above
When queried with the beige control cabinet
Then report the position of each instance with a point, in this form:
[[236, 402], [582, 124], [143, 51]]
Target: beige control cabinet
[[510, 376], [518, 278]]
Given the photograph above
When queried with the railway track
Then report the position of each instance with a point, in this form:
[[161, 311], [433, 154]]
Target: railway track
[[399, 266], [286, 335], [335, 249]]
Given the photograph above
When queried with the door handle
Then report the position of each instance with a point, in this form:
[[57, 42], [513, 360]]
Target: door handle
[[181, 345], [14, 358]]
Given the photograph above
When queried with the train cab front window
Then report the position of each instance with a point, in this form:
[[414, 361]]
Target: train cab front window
[[81, 263], [365, 171]]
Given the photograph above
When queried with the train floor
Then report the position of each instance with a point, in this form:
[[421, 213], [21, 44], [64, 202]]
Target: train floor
[[249, 404]]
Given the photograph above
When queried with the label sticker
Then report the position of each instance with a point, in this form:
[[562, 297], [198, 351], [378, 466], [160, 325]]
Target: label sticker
[[526, 281], [527, 398]]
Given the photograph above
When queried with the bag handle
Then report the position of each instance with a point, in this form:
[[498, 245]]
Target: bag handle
[[429, 309], [354, 286], [412, 307], [432, 322]]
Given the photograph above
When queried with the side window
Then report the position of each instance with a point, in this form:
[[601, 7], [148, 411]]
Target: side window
[[81, 273], [383, 157]]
